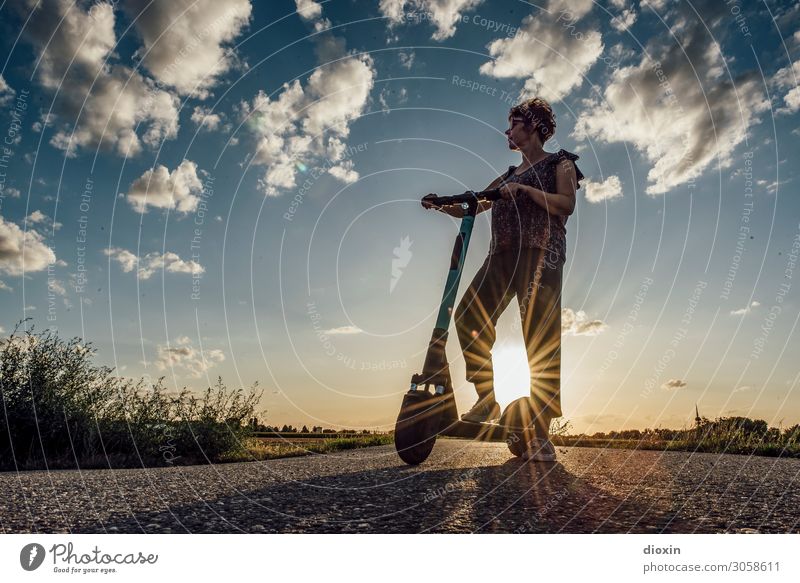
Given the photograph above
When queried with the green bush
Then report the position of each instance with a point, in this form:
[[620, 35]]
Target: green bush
[[61, 410]]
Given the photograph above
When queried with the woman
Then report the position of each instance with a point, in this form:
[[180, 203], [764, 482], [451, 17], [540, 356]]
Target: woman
[[526, 256]]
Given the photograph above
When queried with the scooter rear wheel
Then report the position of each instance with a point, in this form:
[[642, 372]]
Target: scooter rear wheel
[[417, 426]]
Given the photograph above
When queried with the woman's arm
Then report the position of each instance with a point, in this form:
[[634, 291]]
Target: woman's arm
[[561, 202], [486, 205]]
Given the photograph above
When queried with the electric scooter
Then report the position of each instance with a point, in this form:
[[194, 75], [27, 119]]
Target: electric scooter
[[429, 407]]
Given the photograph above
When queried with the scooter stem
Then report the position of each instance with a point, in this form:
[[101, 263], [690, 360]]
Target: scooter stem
[[436, 370], [457, 260]]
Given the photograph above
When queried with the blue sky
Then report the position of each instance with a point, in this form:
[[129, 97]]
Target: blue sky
[[204, 189]]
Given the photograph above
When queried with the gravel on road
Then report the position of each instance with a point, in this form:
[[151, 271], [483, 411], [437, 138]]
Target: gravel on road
[[463, 487]]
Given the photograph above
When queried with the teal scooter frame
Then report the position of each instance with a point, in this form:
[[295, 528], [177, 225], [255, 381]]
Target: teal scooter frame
[[429, 408]]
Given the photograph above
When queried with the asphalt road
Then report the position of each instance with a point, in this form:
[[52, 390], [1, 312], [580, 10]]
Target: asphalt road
[[463, 487]]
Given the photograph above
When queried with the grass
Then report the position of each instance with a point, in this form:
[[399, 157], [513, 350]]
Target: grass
[[272, 448], [60, 410], [733, 435], [763, 449]]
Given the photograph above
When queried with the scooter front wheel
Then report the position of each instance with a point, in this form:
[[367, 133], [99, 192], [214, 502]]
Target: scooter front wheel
[[417, 426], [516, 443], [518, 419]]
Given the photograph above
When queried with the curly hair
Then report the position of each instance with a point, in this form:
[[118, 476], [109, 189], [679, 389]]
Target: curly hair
[[536, 111]]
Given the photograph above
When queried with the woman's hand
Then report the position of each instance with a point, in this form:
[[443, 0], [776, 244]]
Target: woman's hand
[[425, 202], [511, 190]]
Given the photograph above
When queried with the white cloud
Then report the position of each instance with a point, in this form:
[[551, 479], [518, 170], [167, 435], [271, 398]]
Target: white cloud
[[344, 172], [160, 188], [5, 287], [624, 20], [13, 192], [552, 60], [22, 251], [578, 324], [382, 100], [182, 355], [37, 217], [186, 43], [400, 96], [203, 116], [786, 78], [742, 389], [407, 59], [100, 103], [70, 40], [151, 263], [745, 310], [122, 107], [609, 189], [772, 187], [6, 92], [443, 14], [344, 330], [308, 125], [56, 286], [45, 120], [683, 115], [308, 9], [311, 12], [657, 5], [577, 9], [673, 385]]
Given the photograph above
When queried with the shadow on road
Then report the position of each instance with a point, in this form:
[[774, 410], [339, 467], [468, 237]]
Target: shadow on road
[[511, 497]]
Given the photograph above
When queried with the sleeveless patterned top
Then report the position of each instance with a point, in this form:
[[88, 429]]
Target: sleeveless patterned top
[[521, 223]]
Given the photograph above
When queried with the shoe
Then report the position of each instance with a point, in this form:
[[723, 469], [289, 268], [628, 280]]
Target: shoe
[[539, 450], [483, 410]]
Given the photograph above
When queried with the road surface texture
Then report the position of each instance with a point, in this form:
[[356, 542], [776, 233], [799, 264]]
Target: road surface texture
[[463, 487]]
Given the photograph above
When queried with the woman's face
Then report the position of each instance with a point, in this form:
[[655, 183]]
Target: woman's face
[[517, 134]]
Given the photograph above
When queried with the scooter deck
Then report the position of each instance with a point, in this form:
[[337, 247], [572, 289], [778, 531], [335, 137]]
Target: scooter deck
[[485, 431]]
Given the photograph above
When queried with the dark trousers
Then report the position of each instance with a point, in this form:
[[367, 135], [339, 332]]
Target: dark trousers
[[526, 274]]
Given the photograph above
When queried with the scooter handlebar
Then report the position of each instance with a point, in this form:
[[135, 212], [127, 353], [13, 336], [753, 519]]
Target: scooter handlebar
[[437, 201]]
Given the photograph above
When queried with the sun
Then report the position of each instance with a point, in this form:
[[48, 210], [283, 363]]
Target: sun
[[512, 376]]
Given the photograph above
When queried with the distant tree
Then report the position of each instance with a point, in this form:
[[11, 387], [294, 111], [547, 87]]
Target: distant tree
[[630, 434], [666, 434], [773, 435], [304, 429], [743, 426], [791, 435]]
